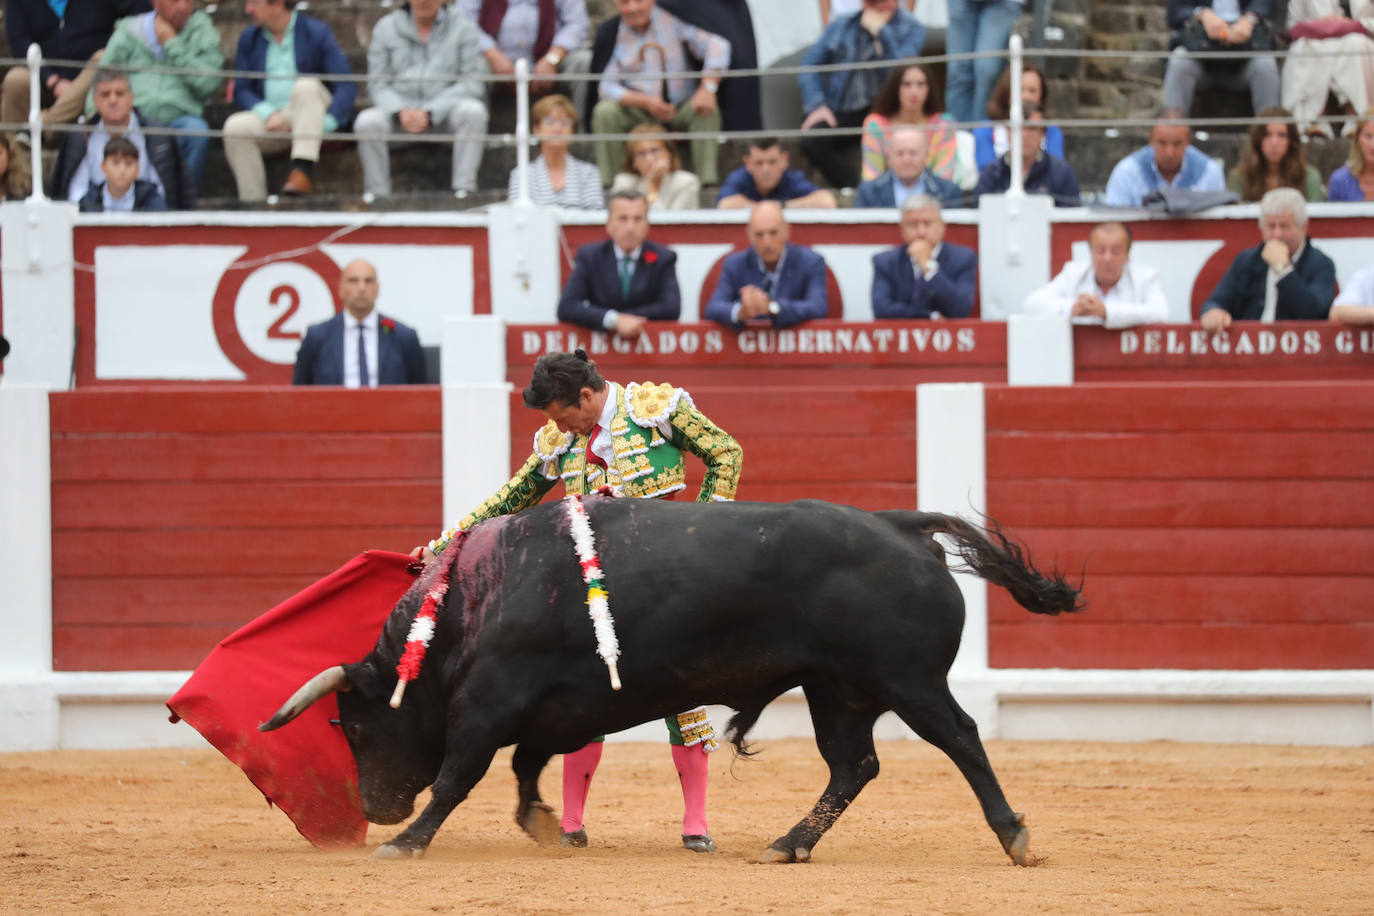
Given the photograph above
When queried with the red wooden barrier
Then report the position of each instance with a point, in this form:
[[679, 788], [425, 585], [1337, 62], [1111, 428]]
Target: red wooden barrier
[[1223, 526], [179, 514]]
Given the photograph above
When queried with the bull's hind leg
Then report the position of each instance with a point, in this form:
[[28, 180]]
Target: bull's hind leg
[[844, 735], [532, 813], [936, 717]]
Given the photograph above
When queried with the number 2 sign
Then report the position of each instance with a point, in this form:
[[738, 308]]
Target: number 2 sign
[[262, 310]]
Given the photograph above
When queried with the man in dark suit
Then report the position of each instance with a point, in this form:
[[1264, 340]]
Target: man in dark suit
[[926, 277], [772, 282], [1284, 279], [908, 151], [621, 283], [359, 347]]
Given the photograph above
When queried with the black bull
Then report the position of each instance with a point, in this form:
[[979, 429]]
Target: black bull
[[728, 604]]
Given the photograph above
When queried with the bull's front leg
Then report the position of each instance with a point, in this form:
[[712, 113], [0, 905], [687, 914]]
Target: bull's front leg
[[463, 766], [532, 813]]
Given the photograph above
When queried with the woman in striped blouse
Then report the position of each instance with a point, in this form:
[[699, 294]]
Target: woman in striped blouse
[[556, 178]]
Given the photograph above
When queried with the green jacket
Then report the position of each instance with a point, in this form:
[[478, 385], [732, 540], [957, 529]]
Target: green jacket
[[165, 97]]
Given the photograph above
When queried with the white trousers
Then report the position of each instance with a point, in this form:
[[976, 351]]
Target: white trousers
[[1318, 66]]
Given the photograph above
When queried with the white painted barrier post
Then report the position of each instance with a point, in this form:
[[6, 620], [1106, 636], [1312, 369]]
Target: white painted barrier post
[[1013, 250], [1039, 350], [476, 403], [39, 291]]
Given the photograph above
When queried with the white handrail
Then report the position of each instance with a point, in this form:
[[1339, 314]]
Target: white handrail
[[35, 62], [1017, 187], [522, 132]]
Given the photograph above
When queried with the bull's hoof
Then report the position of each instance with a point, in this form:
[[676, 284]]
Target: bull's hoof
[[577, 838], [538, 821], [387, 851], [699, 842], [782, 855], [1017, 846]]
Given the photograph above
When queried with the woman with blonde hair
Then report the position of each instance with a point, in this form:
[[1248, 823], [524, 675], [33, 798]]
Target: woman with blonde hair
[[555, 177], [1354, 181], [1274, 158], [15, 180], [652, 168]]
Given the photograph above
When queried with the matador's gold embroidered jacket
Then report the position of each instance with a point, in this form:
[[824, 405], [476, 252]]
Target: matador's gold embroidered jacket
[[651, 428]]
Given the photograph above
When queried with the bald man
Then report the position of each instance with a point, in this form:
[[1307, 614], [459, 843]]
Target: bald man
[[359, 347], [772, 282]]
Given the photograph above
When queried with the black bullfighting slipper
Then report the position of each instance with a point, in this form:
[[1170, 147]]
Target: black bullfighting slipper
[[577, 838], [697, 842]]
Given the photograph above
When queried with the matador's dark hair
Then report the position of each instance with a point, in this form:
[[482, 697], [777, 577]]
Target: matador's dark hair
[[559, 377]]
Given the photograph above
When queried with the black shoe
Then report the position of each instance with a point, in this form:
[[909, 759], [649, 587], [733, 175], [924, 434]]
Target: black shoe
[[697, 842], [578, 838]]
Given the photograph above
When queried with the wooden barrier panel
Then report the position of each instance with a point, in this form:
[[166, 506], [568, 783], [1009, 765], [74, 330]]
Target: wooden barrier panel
[[1248, 350], [179, 514], [1224, 526]]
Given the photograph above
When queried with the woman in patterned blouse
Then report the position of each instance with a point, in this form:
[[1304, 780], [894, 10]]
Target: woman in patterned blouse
[[908, 97]]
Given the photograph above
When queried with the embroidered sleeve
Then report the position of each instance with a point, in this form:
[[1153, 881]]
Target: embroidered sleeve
[[722, 455], [526, 488]]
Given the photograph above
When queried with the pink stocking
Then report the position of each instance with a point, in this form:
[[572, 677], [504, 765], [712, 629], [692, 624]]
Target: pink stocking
[[691, 763], [578, 769]]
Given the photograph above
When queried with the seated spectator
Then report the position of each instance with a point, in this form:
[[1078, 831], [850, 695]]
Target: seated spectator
[[907, 174], [79, 160], [1284, 279], [15, 181], [834, 9], [549, 35], [652, 168], [908, 99], [173, 36], [1107, 288], [976, 25], [1329, 38], [991, 140], [773, 282], [621, 283], [78, 33], [1041, 173], [841, 98], [557, 179], [765, 176], [1169, 159], [628, 98], [1354, 181], [925, 276], [122, 191], [1236, 26], [359, 347], [300, 110], [1355, 304], [1274, 158], [421, 39]]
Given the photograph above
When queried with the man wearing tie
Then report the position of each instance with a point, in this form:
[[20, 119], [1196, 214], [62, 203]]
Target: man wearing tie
[[619, 284], [925, 276], [359, 347], [773, 281]]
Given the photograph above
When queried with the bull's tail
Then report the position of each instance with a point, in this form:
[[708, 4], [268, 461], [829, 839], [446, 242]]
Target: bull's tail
[[996, 557]]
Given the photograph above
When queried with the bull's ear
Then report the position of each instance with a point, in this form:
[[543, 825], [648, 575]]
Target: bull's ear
[[326, 682]]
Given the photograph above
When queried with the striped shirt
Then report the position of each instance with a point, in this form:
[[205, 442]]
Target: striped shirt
[[581, 185]]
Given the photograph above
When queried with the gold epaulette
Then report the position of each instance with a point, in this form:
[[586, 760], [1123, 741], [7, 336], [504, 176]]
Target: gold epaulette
[[551, 442], [649, 404]]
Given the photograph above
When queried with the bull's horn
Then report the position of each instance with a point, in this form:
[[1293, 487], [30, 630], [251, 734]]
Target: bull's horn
[[326, 682]]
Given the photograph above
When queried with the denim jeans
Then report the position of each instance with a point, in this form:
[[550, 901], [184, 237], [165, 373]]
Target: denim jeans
[[976, 25], [193, 149]]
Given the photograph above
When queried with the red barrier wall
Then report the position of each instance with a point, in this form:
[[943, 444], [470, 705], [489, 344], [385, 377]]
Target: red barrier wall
[[180, 514], [1225, 526]]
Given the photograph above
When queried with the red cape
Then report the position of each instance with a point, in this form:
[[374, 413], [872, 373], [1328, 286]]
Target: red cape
[[305, 768]]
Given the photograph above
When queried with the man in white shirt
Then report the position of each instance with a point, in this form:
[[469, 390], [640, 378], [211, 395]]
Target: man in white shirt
[[1355, 304], [1108, 289], [359, 347]]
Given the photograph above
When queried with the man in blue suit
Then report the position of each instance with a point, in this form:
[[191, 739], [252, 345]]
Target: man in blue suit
[[772, 282], [908, 151], [1284, 279], [359, 347], [621, 283], [298, 109], [926, 277]]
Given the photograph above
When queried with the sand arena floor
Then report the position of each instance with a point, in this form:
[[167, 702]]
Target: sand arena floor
[[1123, 828]]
